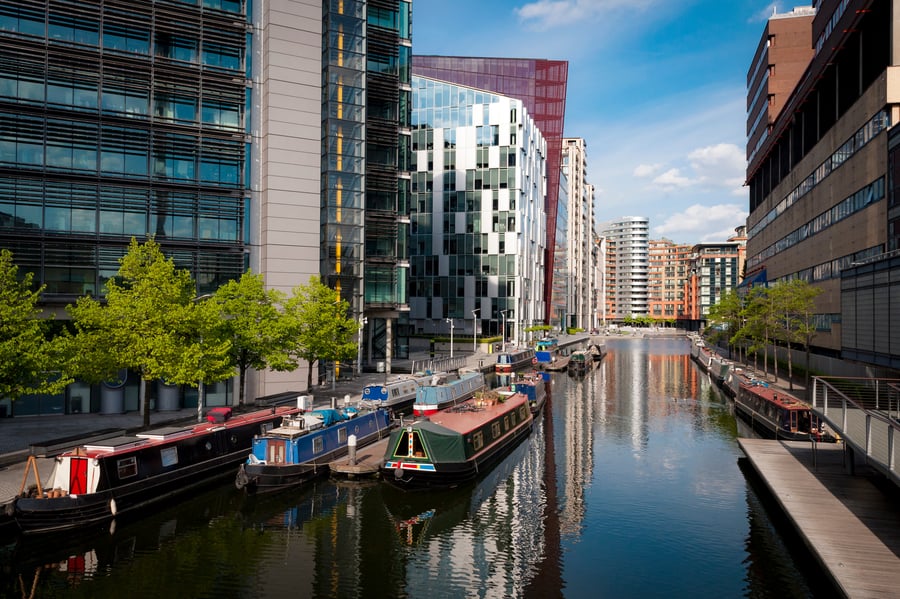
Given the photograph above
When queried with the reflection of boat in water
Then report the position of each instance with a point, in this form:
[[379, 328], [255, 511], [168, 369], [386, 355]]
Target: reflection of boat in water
[[455, 445], [418, 516], [94, 483], [446, 390], [304, 445]]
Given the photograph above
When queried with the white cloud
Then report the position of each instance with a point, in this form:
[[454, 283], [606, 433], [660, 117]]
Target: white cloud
[[672, 178], [547, 14], [698, 223], [646, 170], [722, 165]]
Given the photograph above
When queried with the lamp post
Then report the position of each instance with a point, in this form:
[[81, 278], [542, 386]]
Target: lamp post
[[362, 327], [503, 327], [450, 320], [201, 388], [475, 331]]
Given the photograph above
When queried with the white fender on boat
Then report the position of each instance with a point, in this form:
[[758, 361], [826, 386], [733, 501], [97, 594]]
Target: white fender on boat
[[112, 507]]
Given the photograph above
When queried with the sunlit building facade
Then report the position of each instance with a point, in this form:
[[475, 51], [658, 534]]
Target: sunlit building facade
[[628, 263], [541, 85], [477, 232], [265, 135]]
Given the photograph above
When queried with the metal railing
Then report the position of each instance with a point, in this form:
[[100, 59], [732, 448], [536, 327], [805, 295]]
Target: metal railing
[[865, 412], [438, 364]]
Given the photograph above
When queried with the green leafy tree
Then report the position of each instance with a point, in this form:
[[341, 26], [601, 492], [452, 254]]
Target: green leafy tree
[[30, 362], [260, 334], [726, 318], [794, 301], [325, 331], [142, 325], [206, 355]]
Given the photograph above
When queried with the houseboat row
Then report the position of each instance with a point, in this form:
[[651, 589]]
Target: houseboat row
[[769, 412]]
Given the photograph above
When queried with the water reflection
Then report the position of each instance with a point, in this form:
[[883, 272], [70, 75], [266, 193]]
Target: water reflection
[[628, 486]]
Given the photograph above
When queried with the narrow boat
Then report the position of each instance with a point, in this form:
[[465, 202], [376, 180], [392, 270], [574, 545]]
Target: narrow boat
[[302, 447], [546, 350], [597, 351], [514, 359], [456, 444], [446, 390], [96, 482], [533, 385], [580, 362], [777, 415], [397, 395]]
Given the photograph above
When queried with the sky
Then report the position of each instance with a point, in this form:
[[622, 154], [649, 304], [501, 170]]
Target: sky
[[657, 88]]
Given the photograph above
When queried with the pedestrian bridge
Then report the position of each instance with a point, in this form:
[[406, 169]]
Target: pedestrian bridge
[[865, 412]]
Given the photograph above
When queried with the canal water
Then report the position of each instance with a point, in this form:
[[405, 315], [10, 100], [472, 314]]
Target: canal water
[[629, 486]]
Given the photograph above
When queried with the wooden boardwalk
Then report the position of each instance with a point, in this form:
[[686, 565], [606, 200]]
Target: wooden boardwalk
[[368, 461], [848, 524]]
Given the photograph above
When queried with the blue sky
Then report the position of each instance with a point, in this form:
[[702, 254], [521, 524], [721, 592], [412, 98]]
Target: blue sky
[[657, 88]]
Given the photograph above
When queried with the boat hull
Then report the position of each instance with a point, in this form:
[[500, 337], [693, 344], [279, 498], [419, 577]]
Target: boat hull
[[159, 470], [453, 474], [261, 477]]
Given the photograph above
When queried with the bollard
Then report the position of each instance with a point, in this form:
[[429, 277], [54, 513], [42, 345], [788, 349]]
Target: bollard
[[351, 446], [334, 403]]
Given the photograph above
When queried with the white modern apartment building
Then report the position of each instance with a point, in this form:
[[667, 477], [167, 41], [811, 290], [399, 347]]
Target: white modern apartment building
[[477, 235], [628, 264]]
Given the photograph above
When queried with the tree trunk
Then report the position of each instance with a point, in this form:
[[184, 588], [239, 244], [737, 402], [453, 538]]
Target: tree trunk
[[243, 375], [775, 359], [145, 401], [309, 376], [790, 369]]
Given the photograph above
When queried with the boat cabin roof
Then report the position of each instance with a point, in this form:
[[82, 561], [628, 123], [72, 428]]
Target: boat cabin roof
[[473, 413]]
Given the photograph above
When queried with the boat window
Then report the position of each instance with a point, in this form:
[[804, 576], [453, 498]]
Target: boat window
[[523, 412], [318, 444], [127, 467], [169, 456], [495, 430], [410, 446], [506, 422], [477, 440], [342, 436]]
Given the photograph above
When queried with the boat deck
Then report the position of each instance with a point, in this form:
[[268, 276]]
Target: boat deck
[[848, 524], [473, 413]]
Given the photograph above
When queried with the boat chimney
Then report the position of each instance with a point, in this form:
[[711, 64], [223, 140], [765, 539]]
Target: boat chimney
[[304, 402]]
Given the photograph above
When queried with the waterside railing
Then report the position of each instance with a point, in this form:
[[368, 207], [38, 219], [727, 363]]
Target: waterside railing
[[865, 412]]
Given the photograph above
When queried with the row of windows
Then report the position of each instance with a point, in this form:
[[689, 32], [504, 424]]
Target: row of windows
[[465, 265], [80, 91], [863, 136], [118, 211], [127, 38], [860, 200], [30, 142]]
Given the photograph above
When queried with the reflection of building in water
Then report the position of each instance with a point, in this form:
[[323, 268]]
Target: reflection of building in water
[[496, 546], [577, 450]]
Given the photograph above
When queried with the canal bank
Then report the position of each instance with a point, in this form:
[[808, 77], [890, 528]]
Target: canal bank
[[847, 522]]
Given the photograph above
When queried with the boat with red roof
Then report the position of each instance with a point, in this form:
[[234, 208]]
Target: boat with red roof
[[775, 414], [457, 444], [93, 483]]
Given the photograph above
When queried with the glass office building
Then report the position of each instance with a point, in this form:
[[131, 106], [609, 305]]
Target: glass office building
[[265, 135], [477, 234]]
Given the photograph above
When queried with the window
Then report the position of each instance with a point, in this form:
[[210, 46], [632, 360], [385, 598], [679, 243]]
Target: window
[[127, 467], [342, 435], [477, 441], [495, 430], [318, 444]]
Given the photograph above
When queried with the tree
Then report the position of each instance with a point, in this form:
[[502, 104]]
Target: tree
[[206, 355], [142, 324], [324, 329], [250, 317], [725, 316], [29, 361], [795, 303]]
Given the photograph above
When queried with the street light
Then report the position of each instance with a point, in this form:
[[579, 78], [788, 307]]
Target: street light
[[362, 328], [201, 388], [475, 331], [450, 320], [503, 327]]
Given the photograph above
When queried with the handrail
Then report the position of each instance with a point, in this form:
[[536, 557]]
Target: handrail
[[860, 410]]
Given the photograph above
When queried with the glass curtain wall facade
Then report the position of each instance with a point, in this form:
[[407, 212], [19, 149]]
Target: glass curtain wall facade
[[365, 169], [120, 121], [541, 85], [477, 232]]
